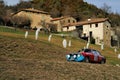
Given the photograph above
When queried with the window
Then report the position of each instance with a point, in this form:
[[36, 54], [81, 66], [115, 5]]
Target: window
[[68, 21], [73, 21], [98, 53], [106, 32], [90, 25], [67, 27], [96, 25], [94, 52]]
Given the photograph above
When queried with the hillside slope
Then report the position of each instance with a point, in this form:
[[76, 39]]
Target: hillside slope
[[27, 59]]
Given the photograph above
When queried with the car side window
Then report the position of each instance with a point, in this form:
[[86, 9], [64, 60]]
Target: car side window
[[97, 53], [94, 52]]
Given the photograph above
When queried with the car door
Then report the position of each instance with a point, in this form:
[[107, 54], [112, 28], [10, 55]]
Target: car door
[[95, 55], [99, 56], [91, 55]]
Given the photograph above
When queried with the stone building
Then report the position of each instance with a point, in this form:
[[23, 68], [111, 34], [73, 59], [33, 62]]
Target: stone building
[[63, 21], [97, 28], [36, 16]]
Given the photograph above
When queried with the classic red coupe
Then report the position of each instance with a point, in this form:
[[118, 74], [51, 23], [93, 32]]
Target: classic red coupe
[[92, 55]]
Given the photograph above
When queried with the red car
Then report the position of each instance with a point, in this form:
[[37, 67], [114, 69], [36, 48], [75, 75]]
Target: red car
[[92, 55]]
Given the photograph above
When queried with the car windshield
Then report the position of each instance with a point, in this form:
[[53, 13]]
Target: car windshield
[[87, 50]]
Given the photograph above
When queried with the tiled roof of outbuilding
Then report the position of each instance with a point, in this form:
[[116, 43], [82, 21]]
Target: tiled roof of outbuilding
[[89, 21], [31, 10]]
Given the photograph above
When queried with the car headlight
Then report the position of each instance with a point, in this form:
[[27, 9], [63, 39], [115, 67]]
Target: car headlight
[[74, 56], [78, 55], [68, 56]]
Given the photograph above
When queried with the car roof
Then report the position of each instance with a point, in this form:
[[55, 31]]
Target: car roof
[[91, 49]]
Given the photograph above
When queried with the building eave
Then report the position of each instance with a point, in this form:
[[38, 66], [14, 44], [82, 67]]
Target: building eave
[[31, 10], [92, 21]]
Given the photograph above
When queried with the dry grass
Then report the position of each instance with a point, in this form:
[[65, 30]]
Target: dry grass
[[28, 59]]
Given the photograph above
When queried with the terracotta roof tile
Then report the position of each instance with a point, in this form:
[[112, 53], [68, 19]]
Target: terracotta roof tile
[[55, 19], [31, 10], [35, 10], [96, 20], [89, 21], [59, 18]]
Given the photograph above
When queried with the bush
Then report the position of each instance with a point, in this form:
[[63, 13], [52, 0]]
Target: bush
[[20, 21], [1, 21], [92, 40]]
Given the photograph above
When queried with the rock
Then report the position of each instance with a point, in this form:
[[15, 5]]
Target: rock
[[1, 46], [9, 49], [118, 65], [118, 56]]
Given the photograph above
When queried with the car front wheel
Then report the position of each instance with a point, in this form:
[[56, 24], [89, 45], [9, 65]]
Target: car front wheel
[[87, 60]]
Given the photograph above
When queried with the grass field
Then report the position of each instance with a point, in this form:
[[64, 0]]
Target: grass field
[[30, 59]]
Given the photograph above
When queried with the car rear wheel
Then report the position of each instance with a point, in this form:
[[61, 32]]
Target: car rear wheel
[[87, 60]]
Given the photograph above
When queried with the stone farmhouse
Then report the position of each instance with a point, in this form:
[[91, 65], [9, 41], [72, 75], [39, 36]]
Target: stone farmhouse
[[63, 21], [36, 16], [98, 28]]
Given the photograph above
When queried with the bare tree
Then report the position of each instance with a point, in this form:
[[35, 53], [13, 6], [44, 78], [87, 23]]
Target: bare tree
[[6, 17], [19, 21], [106, 8]]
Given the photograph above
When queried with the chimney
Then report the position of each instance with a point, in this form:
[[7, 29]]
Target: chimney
[[32, 7], [89, 19]]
